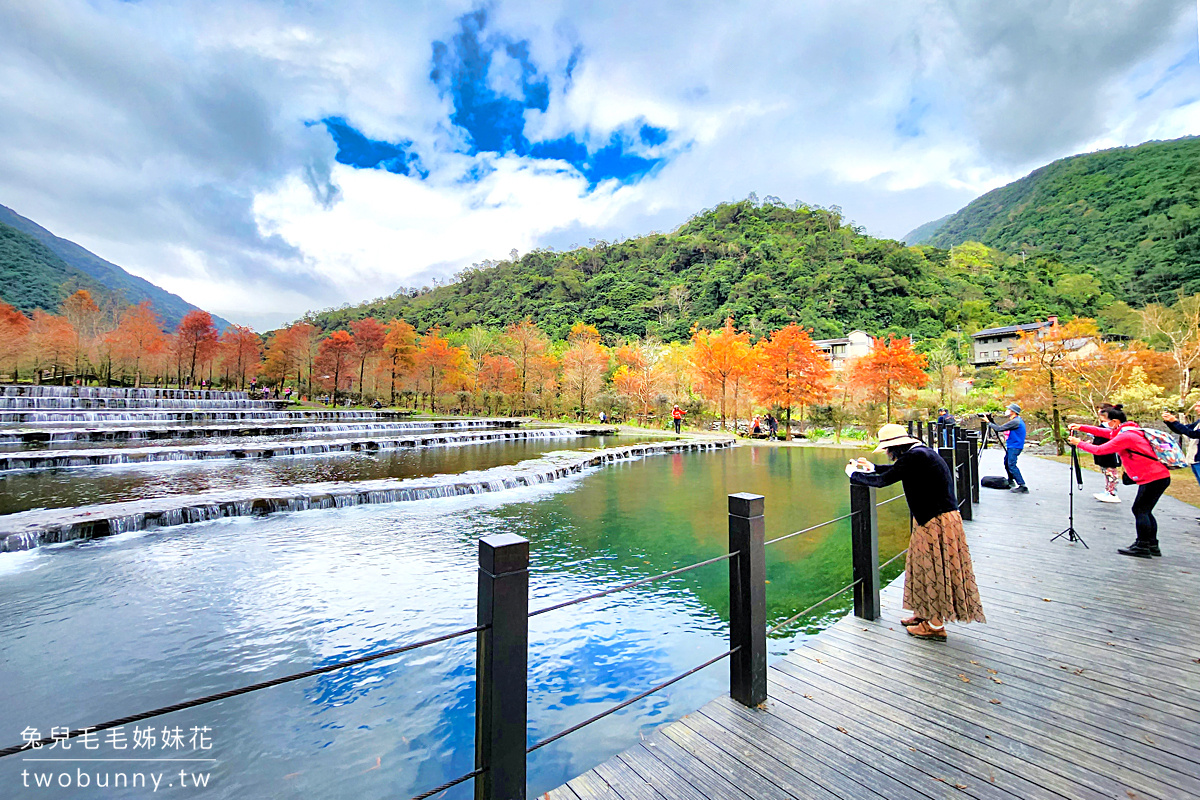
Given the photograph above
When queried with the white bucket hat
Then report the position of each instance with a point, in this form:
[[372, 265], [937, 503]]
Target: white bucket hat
[[893, 435]]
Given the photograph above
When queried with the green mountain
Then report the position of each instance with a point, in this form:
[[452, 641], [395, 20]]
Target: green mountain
[[764, 265], [32, 276], [40, 269], [922, 233], [1131, 215]]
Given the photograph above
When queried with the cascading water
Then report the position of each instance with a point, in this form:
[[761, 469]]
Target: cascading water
[[62, 459], [29, 529]]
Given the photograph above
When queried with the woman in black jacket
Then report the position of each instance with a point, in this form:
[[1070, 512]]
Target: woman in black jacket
[[939, 579]]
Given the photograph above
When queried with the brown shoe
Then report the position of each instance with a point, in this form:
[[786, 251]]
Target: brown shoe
[[913, 620], [926, 631]]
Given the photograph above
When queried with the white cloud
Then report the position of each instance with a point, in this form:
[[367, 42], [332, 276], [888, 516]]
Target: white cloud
[[171, 138]]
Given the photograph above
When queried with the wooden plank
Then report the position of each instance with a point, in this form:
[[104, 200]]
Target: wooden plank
[[874, 769], [1030, 711], [666, 781], [977, 717], [888, 744], [719, 727], [564, 792], [625, 782], [762, 775], [590, 786], [845, 696], [987, 755], [1086, 702]]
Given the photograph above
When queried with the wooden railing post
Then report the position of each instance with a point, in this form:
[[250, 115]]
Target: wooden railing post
[[931, 437], [747, 599], [502, 664], [947, 454], [864, 548], [962, 461], [973, 459]]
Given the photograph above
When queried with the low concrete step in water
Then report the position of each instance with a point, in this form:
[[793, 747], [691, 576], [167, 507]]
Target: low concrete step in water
[[63, 459], [117, 392], [148, 415], [30, 529], [115, 433]]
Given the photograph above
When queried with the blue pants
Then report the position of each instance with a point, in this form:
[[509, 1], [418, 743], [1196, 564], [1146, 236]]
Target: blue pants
[[1196, 472], [1010, 466]]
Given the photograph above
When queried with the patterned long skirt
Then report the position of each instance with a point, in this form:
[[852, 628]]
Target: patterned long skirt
[[939, 581]]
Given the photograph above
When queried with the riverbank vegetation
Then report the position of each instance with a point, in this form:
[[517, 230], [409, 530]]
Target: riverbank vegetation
[[719, 376]]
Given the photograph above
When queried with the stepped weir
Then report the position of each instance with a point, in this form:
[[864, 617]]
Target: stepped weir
[[240, 428]]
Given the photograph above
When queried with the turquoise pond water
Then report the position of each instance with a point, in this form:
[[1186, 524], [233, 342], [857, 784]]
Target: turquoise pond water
[[96, 630]]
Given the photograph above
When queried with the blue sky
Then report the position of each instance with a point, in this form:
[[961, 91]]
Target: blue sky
[[263, 158]]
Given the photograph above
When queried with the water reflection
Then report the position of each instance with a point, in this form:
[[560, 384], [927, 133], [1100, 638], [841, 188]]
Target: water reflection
[[65, 488], [96, 630]]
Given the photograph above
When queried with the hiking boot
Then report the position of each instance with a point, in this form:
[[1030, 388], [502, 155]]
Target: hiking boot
[[1020, 489], [1154, 551], [1105, 497], [1137, 550]]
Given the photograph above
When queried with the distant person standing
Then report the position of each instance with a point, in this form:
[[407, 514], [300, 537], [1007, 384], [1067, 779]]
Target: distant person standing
[[945, 421], [677, 418], [1109, 464], [939, 578], [1014, 443], [773, 426], [603, 418], [1141, 467], [1190, 430]]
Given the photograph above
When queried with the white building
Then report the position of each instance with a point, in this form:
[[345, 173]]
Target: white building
[[839, 351]]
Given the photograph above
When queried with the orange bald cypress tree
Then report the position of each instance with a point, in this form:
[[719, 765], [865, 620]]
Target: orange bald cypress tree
[[721, 358], [334, 355], [439, 363], [789, 371], [14, 337], [888, 369]]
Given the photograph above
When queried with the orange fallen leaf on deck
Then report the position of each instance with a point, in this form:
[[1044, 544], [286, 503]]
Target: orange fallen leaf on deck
[[996, 702], [993, 672], [997, 680], [963, 678], [1045, 599], [976, 663], [843, 730], [808, 696]]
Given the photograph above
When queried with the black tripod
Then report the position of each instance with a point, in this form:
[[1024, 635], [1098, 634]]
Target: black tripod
[[1076, 476]]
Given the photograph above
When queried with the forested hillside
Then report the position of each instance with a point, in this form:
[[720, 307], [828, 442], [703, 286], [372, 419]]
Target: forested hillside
[[31, 276], [37, 282], [1132, 214], [764, 265]]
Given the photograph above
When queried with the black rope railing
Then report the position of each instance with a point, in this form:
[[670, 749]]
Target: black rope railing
[[814, 606], [212, 698], [893, 558], [889, 500], [632, 584], [449, 785], [810, 528], [630, 701]]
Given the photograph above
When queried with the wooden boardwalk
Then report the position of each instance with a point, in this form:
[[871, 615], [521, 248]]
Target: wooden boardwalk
[[1084, 683]]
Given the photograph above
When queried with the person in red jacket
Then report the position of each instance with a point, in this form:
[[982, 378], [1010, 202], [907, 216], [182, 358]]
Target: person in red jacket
[[1141, 467], [677, 416]]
